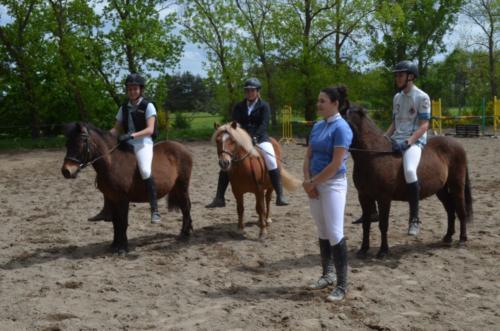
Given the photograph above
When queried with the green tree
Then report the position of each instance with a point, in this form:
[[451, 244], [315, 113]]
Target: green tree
[[411, 29], [20, 42], [211, 24], [254, 18], [486, 15]]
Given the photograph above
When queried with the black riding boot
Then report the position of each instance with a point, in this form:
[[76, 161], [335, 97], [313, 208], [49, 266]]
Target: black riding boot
[[103, 215], [151, 189], [328, 276], [413, 198], [339, 253], [275, 177], [222, 183]]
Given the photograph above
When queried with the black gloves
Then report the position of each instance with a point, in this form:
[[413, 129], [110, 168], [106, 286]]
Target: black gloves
[[254, 141], [125, 137], [400, 147]]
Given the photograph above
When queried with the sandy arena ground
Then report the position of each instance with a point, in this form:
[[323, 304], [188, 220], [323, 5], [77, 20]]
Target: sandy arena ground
[[56, 273]]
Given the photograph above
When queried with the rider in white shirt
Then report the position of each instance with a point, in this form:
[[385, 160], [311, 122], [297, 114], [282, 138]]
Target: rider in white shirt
[[408, 131]]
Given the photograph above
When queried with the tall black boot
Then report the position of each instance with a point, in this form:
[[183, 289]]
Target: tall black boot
[[222, 184], [339, 253], [103, 215], [328, 276], [151, 189], [413, 198], [275, 177]]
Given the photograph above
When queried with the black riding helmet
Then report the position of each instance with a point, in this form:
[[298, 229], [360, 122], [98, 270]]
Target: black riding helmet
[[406, 66], [252, 83], [135, 79]]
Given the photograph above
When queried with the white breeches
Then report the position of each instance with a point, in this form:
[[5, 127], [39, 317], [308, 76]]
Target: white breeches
[[411, 159], [328, 209], [144, 156], [267, 151]]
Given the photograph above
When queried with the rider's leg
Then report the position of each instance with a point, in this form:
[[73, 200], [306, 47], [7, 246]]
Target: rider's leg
[[411, 159], [222, 184], [274, 172], [144, 155]]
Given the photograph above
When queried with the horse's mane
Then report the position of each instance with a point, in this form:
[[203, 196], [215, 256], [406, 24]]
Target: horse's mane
[[363, 114], [239, 135]]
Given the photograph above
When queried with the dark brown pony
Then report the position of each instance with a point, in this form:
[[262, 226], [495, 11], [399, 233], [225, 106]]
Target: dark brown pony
[[118, 177], [247, 171], [378, 176]]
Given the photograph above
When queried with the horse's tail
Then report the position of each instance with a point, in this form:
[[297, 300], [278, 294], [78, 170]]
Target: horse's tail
[[290, 182], [468, 198]]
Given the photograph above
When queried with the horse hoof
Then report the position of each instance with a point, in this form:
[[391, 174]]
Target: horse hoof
[[362, 254], [461, 244], [269, 221], [263, 235], [447, 239], [382, 254], [118, 249]]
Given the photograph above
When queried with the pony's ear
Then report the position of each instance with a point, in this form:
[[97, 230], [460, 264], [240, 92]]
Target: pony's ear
[[216, 125], [234, 124], [68, 128]]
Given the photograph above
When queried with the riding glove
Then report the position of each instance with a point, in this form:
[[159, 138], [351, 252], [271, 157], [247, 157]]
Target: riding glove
[[400, 147], [254, 141], [125, 137]]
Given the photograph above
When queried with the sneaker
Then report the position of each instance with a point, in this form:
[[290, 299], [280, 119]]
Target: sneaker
[[155, 217], [414, 227], [323, 282], [337, 294]]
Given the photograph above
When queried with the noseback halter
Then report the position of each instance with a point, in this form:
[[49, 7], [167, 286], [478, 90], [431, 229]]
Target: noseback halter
[[84, 162]]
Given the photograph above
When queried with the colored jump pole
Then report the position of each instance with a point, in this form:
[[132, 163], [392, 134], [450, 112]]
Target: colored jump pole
[[483, 112]]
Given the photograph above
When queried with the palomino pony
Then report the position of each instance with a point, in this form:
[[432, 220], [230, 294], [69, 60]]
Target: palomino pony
[[378, 176], [247, 171], [118, 177]]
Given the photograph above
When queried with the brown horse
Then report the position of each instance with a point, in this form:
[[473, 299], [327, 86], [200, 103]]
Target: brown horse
[[118, 177], [247, 171], [378, 176]]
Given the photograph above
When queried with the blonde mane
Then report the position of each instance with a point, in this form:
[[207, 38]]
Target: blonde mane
[[239, 135]]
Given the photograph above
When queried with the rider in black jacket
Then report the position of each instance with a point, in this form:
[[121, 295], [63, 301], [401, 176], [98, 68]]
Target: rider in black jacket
[[253, 115]]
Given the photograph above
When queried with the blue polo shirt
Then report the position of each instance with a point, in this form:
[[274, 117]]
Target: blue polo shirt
[[325, 136]]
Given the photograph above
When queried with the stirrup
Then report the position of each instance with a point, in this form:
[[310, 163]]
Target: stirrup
[[323, 282]]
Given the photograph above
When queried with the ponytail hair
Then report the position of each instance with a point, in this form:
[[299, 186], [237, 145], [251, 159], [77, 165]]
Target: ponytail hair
[[338, 93]]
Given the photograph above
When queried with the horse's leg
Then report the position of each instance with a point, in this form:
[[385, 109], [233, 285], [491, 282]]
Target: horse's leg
[[240, 208], [367, 207], [261, 211], [120, 224], [449, 205], [269, 194], [384, 207], [457, 191]]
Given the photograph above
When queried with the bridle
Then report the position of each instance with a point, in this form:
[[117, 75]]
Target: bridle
[[234, 158], [353, 149], [83, 163]]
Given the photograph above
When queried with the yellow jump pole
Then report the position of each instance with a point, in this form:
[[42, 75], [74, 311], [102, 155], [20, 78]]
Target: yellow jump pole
[[496, 114], [437, 116], [286, 123]]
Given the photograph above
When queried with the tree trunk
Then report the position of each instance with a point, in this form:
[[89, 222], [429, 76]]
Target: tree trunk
[[491, 56]]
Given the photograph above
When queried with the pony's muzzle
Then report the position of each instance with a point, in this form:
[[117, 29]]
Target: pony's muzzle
[[69, 170], [224, 164]]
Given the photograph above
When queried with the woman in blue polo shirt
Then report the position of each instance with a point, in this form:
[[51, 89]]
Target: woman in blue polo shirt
[[325, 183]]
